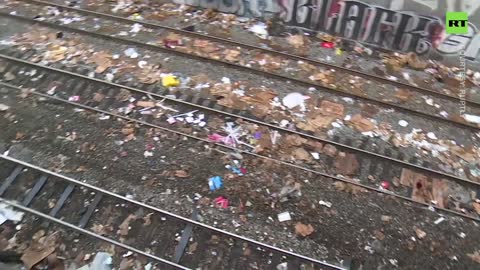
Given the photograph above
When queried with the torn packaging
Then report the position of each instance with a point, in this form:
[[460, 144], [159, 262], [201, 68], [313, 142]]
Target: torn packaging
[[426, 190]]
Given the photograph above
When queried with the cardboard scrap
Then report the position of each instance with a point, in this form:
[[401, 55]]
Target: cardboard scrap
[[32, 257]]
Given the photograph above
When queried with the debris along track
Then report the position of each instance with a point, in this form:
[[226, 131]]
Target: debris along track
[[284, 55], [366, 169], [78, 205], [108, 30]]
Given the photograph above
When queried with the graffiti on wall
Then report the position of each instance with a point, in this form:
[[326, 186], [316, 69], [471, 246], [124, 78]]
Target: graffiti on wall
[[400, 25], [251, 8]]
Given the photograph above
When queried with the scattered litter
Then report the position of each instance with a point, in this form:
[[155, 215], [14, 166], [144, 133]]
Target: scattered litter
[[145, 104], [170, 81], [142, 63], [324, 203], [215, 182], [348, 100], [303, 230], [385, 184], [189, 118], [328, 45], [226, 80], [284, 123], [102, 261], [109, 77], [431, 135], [403, 123], [32, 257], [315, 155], [439, 220], [393, 262], [221, 202], [74, 98], [420, 234], [293, 100], [136, 28], [472, 118], [429, 101], [282, 266], [236, 168], [7, 213], [475, 256], [148, 266], [3, 107], [129, 253], [385, 218], [131, 52], [259, 29], [285, 216]]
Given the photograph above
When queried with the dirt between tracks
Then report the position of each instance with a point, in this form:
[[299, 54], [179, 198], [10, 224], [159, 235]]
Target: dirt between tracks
[[367, 229]]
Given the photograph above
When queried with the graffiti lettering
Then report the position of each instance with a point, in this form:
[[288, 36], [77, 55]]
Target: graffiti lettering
[[394, 25]]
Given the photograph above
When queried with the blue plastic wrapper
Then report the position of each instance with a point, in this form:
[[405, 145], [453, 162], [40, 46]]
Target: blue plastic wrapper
[[215, 182]]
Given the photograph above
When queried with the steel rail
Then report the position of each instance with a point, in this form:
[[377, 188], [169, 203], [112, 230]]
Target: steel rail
[[250, 46], [89, 233], [463, 124], [144, 123], [305, 135]]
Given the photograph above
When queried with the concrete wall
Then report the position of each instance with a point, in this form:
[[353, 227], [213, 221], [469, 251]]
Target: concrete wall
[[399, 25]]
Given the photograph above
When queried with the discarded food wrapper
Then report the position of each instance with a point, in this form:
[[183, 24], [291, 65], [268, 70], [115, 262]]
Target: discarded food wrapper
[[431, 135], [215, 182], [215, 137], [7, 213], [131, 52], [221, 201], [338, 51], [170, 81], [285, 216], [328, 45], [293, 100], [259, 29], [102, 261], [385, 184], [136, 28], [172, 43], [74, 98], [109, 77], [282, 266], [171, 120], [226, 80], [472, 118], [136, 16], [236, 169]]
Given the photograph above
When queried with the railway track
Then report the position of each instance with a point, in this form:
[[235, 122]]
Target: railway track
[[346, 89], [385, 165], [79, 206], [154, 25]]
